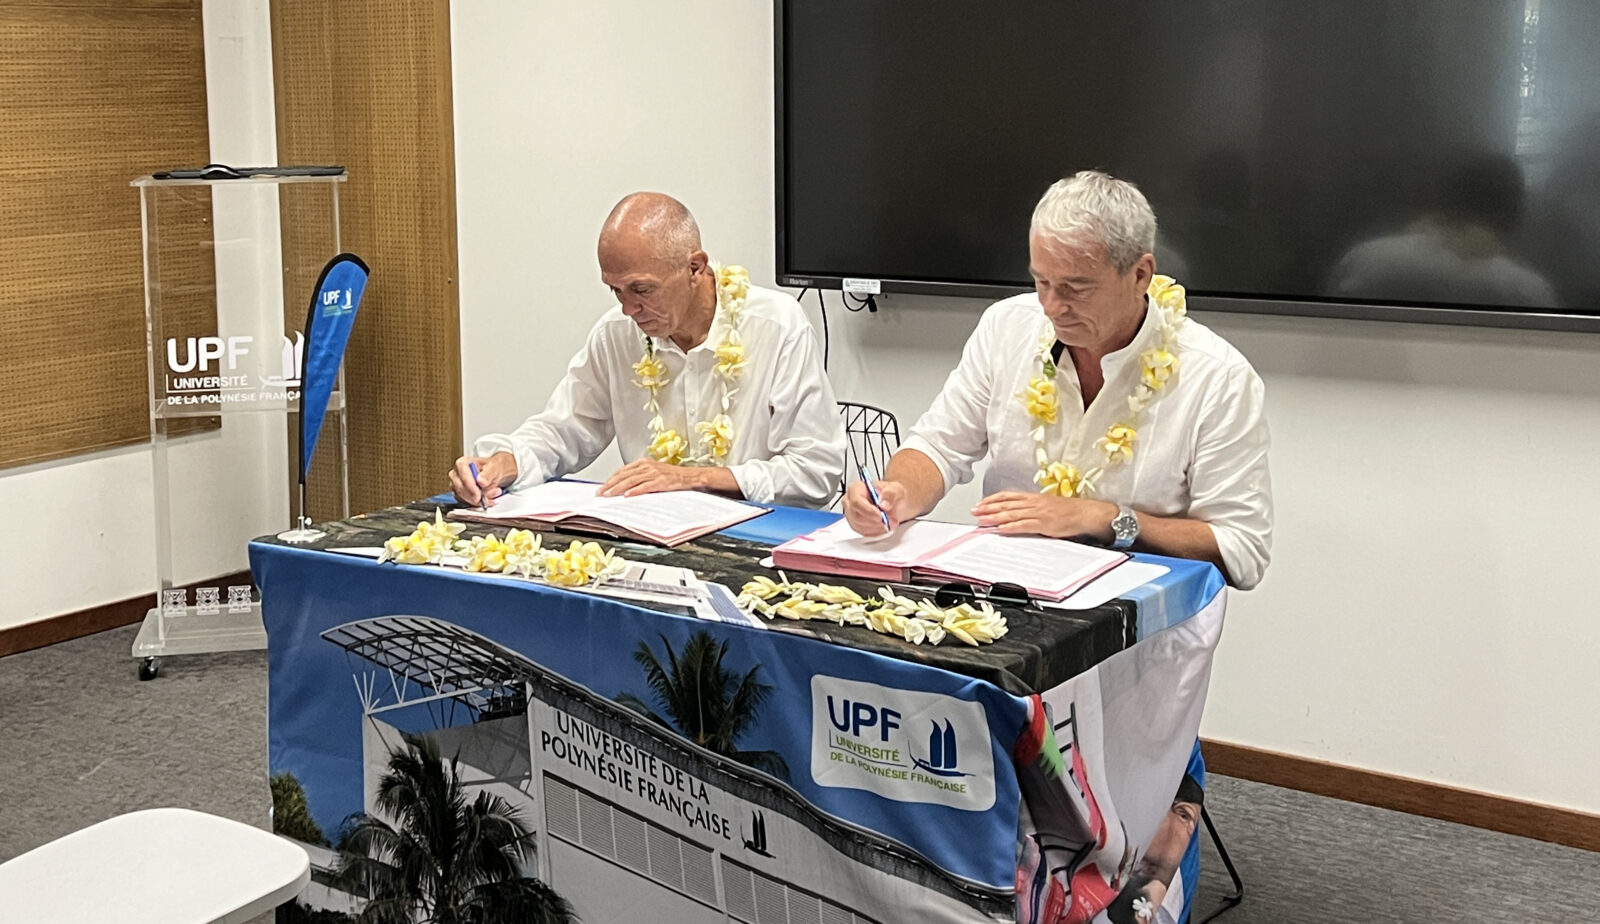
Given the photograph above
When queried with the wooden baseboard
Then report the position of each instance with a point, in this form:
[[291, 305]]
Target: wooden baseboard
[[1402, 794], [94, 619]]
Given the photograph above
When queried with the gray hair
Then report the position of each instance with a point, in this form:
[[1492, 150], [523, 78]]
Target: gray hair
[[664, 221], [1090, 209]]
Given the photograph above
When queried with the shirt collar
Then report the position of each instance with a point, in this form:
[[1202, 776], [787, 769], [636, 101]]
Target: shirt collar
[[1149, 329], [1111, 362]]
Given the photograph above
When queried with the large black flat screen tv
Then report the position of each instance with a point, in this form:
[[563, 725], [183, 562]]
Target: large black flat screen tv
[[1433, 160]]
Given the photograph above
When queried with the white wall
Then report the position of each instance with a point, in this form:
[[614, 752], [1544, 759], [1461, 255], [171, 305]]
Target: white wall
[[96, 548], [1425, 613]]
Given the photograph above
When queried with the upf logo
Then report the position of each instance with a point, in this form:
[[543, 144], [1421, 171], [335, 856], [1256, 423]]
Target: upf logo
[[193, 362], [331, 305], [858, 717], [200, 352], [905, 745]]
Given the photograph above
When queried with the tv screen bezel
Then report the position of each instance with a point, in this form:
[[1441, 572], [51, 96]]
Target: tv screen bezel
[[1405, 312]]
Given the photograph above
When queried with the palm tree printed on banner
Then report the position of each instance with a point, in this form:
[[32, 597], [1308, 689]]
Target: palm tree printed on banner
[[450, 858], [291, 817], [704, 700]]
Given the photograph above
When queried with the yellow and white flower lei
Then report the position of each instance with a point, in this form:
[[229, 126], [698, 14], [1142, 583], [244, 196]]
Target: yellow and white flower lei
[[521, 552], [715, 435], [888, 613], [1157, 366]]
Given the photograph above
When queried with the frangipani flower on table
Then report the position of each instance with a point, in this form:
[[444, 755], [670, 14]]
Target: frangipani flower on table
[[581, 563], [916, 621], [517, 553], [428, 543]]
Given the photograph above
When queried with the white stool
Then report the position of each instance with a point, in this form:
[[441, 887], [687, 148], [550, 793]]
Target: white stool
[[161, 866]]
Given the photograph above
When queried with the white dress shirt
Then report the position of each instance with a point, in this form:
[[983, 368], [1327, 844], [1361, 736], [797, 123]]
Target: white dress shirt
[[1202, 442], [789, 441]]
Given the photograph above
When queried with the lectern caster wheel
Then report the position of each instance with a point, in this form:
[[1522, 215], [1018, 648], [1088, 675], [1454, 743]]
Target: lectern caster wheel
[[148, 668]]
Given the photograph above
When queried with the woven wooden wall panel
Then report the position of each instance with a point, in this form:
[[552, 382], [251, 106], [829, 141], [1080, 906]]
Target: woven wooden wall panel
[[367, 84], [92, 94]]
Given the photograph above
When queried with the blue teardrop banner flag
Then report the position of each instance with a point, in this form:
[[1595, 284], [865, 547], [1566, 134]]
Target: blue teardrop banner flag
[[328, 323]]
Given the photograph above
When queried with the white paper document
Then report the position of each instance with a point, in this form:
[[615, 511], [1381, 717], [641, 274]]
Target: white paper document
[[908, 544], [541, 500], [1047, 567], [668, 513], [1111, 585], [667, 518]]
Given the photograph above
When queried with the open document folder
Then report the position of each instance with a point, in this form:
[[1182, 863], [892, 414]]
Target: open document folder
[[668, 518], [929, 551]]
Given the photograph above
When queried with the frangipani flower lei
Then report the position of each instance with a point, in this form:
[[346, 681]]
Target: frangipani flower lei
[[519, 552], [715, 435], [1157, 366], [429, 543], [888, 613]]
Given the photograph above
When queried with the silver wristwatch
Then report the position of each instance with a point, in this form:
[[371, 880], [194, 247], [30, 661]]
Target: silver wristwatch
[[1124, 527]]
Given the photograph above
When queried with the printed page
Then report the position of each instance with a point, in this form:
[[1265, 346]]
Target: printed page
[[908, 544], [1111, 585], [1032, 561], [541, 500], [670, 513]]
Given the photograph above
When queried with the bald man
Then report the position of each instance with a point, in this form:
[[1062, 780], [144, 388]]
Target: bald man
[[766, 430]]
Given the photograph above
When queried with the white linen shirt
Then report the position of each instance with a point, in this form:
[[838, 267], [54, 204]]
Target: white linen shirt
[[789, 441], [1202, 445]]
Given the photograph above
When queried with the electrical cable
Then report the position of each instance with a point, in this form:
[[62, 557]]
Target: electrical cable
[[827, 344]]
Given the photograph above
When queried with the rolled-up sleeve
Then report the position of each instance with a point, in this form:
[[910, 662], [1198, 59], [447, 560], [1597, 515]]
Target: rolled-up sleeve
[[575, 426], [954, 432], [1230, 484], [805, 440]]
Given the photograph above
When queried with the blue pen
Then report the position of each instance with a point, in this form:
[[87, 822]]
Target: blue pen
[[483, 496], [872, 492]]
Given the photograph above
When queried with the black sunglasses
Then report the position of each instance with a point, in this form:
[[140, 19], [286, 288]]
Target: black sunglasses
[[1004, 593]]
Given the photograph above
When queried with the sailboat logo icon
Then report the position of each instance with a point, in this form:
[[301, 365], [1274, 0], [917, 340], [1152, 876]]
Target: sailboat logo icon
[[757, 841], [942, 755]]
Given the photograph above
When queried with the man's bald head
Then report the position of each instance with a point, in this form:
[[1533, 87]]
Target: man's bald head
[[649, 225], [650, 259]]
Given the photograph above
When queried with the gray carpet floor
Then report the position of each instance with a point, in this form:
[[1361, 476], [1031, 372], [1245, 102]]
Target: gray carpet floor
[[81, 740]]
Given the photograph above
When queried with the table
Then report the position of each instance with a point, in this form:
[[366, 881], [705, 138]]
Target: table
[[156, 866], [677, 769]]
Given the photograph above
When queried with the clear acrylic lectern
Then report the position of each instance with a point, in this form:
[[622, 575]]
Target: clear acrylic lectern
[[229, 268]]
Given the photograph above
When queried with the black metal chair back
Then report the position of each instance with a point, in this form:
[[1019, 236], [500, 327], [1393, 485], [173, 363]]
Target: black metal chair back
[[874, 435]]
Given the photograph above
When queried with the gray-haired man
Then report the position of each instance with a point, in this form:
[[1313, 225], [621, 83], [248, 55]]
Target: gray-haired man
[[1106, 414]]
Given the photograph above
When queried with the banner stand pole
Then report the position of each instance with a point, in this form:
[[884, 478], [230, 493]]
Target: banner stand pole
[[304, 532]]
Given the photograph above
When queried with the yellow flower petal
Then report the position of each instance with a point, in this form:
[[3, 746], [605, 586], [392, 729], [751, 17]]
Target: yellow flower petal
[[668, 447], [1118, 442]]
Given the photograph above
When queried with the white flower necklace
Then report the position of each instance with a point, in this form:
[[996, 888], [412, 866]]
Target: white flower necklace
[[715, 435], [1157, 366]]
